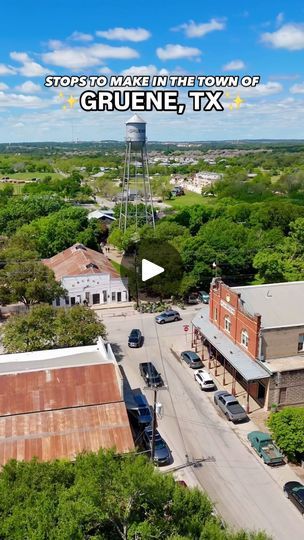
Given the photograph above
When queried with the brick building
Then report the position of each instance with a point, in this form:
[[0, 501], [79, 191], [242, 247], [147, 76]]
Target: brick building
[[257, 334]]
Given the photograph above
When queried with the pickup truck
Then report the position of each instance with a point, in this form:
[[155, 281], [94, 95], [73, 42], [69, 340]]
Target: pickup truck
[[265, 448], [230, 406]]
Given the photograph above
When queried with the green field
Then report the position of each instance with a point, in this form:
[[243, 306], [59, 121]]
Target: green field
[[30, 175], [189, 199]]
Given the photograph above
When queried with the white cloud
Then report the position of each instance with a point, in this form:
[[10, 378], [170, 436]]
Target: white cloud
[[80, 36], [234, 65], [7, 70], [3, 86], [105, 71], [21, 101], [279, 19], [297, 88], [171, 52], [125, 34], [19, 125], [261, 90], [28, 87], [144, 70], [290, 37], [193, 30], [82, 57], [29, 68], [20, 57], [55, 44]]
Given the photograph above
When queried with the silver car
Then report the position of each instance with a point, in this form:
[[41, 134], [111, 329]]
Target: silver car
[[168, 316], [192, 359], [230, 406]]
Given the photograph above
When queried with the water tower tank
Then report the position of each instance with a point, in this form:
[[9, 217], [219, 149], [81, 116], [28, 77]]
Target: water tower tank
[[136, 132]]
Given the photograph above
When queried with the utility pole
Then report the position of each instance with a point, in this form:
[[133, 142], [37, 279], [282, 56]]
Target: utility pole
[[154, 424], [155, 390]]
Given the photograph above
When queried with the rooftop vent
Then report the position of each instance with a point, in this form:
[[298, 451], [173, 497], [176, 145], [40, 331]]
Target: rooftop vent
[[92, 265], [80, 246]]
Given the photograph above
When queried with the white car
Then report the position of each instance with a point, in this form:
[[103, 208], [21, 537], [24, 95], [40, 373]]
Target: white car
[[204, 380]]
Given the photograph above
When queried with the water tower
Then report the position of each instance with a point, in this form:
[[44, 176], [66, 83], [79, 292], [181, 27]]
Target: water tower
[[136, 204]]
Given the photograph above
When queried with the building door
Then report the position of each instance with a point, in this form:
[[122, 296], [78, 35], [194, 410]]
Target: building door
[[72, 300], [119, 297], [104, 297], [96, 298], [261, 392]]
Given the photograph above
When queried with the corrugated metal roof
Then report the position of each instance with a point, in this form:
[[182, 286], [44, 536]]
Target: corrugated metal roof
[[280, 304], [248, 368], [80, 260], [58, 389], [65, 433]]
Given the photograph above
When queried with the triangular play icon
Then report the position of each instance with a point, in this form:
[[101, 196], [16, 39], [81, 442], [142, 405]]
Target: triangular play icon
[[150, 270]]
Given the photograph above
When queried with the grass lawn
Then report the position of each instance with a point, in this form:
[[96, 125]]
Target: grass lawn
[[30, 175], [189, 199]]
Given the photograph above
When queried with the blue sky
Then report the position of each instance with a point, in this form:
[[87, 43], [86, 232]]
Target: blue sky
[[114, 37]]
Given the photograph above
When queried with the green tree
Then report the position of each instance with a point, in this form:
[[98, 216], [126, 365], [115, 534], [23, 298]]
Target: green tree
[[30, 282], [45, 327], [287, 428], [104, 496]]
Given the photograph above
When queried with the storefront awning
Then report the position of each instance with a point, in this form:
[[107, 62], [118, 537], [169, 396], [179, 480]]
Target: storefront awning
[[248, 368]]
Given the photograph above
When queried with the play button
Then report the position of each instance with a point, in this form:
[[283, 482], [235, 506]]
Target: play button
[[150, 270], [154, 269]]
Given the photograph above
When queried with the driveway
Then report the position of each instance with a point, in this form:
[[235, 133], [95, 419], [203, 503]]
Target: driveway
[[245, 492]]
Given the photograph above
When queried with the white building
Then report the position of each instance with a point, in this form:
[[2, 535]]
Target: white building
[[88, 277]]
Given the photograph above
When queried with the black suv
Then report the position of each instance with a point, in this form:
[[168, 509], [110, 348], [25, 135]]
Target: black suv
[[295, 492], [150, 374], [135, 338]]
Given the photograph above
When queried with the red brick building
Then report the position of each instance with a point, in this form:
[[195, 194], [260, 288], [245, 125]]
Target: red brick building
[[256, 333]]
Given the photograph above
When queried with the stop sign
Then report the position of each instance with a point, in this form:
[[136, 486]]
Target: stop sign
[[186, 328]]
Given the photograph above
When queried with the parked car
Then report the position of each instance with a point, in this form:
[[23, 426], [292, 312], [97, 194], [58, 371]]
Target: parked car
[[168, 316], [265, 448], [204, 297], [295, 492], [161, 451], [150, 374], [204, 380], [193, 298], [135, 338], [192, 359], [230, 406], [140, 410]]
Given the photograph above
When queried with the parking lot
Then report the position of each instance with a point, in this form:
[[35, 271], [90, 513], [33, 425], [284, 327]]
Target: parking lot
[[246, 493]]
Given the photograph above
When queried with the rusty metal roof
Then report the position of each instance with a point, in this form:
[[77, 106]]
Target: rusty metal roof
[[80, 260], [58, 389], [65, 433], [60, 412]]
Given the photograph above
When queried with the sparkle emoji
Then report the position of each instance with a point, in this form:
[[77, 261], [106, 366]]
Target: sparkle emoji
[[72, 101]]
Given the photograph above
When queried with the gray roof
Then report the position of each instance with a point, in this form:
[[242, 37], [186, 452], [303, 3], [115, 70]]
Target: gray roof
[[246, 366], [279, 304], [99, 214], [136, 119]]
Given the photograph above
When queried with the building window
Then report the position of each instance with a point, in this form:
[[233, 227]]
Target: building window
[[215, 314], [119, 297], [244, 338], [227, 324], [57, 301], [301, 343], [282, 395], [72, 300], [113, 296], [67, 300], [96, 298]]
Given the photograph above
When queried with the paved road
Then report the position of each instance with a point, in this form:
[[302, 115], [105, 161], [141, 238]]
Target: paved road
[[246, 493]]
